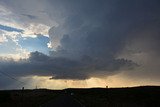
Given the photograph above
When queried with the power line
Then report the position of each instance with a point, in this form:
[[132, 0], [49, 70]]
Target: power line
[[9, 76]]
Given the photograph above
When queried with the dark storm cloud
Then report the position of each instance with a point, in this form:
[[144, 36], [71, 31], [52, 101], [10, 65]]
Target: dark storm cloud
[[91, 35], [102, 29], [61, 68]]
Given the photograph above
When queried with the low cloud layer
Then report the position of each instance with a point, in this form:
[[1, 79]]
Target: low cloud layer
[[40, 64]]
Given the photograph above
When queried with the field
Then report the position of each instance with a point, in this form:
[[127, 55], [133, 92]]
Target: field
[[146, 96]]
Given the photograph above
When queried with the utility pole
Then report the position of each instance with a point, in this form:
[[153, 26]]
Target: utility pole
[[107, 95], [22, 96]]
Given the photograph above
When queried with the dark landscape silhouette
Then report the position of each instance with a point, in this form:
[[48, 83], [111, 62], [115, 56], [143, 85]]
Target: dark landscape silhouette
[[143, 96]]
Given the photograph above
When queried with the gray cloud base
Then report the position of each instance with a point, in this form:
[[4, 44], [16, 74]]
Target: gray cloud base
[[61, 68]]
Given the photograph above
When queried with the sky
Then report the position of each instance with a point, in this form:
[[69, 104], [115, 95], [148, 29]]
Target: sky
[[59, 44]]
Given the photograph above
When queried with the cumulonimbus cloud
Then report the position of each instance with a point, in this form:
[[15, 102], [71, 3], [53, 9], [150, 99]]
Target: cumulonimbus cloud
[[91, 36]]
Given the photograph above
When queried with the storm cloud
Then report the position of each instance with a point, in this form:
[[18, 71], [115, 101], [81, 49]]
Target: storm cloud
[[106, 30], [95, 38], [40, 64]]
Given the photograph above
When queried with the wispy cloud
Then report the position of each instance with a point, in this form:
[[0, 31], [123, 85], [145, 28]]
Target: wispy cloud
[[10, 29]]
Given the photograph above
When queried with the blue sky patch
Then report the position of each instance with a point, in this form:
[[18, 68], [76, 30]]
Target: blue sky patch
[[35, 44], [10, 29]]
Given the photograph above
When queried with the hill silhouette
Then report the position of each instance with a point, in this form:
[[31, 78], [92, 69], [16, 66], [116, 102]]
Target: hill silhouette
[[143, 96]]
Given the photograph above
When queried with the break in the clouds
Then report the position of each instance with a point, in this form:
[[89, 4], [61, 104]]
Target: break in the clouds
[[88, 38], [10, 29]]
